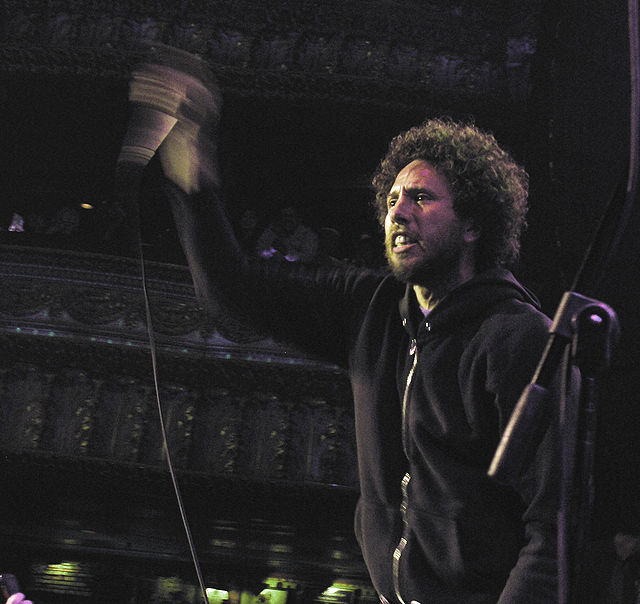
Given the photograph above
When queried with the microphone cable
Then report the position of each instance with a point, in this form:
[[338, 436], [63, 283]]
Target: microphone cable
[[128, 185], [613, 223], [169, 85]]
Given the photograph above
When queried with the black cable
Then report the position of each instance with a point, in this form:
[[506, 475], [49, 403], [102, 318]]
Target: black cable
[[634, 68], [565, 546], [627, 191], [160, 94], [129, 179], [165, 442]]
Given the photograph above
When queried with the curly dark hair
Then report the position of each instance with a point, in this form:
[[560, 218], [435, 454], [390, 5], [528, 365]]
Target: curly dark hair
[[488, 187]]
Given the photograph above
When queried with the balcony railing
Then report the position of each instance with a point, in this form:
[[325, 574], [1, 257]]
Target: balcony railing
[[261, 436]]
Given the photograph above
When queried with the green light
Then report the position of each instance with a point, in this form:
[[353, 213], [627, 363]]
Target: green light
[[64, 578], [64, 568], [279, 583], [273, 595], [217, 595]]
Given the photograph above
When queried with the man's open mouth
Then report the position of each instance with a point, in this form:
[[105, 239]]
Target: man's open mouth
[[403, 242]]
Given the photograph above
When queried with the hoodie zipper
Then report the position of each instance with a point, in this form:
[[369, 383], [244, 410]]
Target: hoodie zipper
[[397, 554]]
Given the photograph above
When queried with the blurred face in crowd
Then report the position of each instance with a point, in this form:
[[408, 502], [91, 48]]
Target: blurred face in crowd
[[288, 220]]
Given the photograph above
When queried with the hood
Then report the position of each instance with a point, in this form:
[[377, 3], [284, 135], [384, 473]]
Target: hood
[[468, 301]]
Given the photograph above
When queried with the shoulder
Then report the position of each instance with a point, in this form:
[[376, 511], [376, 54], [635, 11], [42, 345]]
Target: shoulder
[[510, 310], [515, 325], [510, 344]]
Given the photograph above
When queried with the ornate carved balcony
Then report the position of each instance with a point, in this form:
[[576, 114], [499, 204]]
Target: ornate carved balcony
[[262, 438], [283, 49]]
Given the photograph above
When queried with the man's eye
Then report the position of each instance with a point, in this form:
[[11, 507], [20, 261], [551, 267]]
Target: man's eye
[[422, 198], [391, 201]]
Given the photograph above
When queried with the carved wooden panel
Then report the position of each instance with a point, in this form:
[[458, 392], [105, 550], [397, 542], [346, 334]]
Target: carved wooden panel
[[178, 412], [119, 421], [70, 412], [23, 392], [218, 428], [223, 431]]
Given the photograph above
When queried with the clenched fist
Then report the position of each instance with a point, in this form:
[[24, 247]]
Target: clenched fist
[[175, 110]]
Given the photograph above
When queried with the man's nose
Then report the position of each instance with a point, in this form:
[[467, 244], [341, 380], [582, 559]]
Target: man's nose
[[401, 209]]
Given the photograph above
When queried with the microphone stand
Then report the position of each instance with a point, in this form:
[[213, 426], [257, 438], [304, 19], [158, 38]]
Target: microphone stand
[[595, 333], [582, 335]]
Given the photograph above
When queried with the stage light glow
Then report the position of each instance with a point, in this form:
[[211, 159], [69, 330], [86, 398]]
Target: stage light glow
[[216, 596], [68, 578]]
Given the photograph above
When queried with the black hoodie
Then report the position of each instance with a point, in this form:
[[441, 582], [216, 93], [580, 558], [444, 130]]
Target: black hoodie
[[432, 526]]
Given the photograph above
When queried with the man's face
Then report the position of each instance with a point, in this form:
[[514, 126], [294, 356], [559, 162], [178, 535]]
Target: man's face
[[426, 243]]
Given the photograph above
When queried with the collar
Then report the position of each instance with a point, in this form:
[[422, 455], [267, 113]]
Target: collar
[[466, 301]]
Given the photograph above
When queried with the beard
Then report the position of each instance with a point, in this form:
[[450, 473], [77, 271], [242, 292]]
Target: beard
[[433, 268]]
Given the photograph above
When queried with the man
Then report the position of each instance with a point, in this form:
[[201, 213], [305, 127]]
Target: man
[[437, 351], [288, 238]]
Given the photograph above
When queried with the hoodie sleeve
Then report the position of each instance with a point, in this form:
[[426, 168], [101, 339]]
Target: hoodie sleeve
[[314, 308]]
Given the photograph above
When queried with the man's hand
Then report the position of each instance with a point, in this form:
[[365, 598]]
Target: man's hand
[[18, 599], [178, 85]]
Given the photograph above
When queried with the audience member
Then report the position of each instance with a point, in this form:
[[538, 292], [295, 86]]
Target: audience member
[[35, 222], [366, 252], [329, 247], [288, 238], [17, 223], [247, 230], [65, 222]]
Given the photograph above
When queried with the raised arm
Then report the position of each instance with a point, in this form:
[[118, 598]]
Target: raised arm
[[175, 111], [303, 305]]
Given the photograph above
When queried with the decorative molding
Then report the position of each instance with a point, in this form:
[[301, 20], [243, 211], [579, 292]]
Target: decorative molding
[[94, 297], [407, 53], [77, 377]]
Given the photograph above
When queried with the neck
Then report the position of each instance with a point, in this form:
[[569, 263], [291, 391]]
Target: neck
[[429, 297]]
